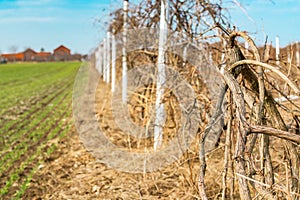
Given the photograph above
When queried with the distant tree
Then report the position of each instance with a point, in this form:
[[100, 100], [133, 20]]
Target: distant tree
[[42, 49]]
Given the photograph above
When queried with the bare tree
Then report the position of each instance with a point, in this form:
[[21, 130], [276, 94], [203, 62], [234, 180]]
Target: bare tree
[[192, 18]]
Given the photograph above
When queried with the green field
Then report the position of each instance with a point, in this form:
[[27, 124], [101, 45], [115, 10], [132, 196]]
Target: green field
[[35, 112]]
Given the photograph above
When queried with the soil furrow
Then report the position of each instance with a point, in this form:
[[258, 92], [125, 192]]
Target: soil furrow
[[40, 122], [31, 149], [55, 87], [39, 108]]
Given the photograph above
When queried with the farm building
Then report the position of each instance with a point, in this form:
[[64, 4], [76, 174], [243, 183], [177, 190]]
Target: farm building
[[13, 57], [61, 53], [29, 55], [43, 56]]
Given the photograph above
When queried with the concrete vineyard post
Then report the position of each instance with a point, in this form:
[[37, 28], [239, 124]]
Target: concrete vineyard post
[[223, 60], [297, 54], [161, 76], [210, 58], [113, 64], [277, 50], [108, 58], [97, 57], [104, 60], [289, 50], [99, 60], [184, 55], [124, 53]]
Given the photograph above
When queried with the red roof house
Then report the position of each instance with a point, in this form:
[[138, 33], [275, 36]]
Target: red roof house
[[12, 57], [29, 55], [61, 53], [43, 56]]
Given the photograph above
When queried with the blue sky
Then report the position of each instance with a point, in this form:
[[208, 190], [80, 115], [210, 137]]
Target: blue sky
[[268, 17], [49, 23]]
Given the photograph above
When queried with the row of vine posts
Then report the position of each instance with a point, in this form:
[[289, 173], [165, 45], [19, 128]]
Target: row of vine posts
[[254, 120]]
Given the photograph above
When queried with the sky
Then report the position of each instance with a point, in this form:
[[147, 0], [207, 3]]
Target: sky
[[49, 23], [270, 18]]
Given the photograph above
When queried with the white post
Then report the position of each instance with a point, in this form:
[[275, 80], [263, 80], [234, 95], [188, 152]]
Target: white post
[[124, 53], [210, 58], [97, 59], [161, 76], [108, 58], [113, 64], [289, 50], [104, 60], [223, 62], [277, 50], [184, 54], [297, 55], [101, 60]]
